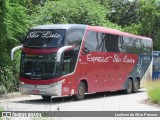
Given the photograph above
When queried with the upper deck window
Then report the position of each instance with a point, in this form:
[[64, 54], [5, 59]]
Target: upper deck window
[[93, 42], [45, 38]]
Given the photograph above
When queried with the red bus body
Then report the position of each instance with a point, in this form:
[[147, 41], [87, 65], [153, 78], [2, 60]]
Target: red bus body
[[105, 67]]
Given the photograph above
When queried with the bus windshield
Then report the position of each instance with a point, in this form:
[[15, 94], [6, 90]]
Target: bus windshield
[[38, 66], [45, 38]]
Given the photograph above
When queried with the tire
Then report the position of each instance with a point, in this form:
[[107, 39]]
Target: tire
[[46, 98], [81, 91], [129, 86], [135, 86]]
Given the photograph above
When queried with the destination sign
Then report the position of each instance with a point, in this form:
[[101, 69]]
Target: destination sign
[[43, 34]]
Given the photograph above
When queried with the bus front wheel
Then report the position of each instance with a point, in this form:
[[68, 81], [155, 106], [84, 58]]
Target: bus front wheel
[[81, 91]]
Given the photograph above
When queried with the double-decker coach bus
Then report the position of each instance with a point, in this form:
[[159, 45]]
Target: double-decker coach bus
[[73, 59]]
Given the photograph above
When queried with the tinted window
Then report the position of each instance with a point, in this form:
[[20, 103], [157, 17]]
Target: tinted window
[[146, 46], [94, 42], [45, 38], [134, 45], [38, 66], [111, 43], [127, 45], [73, 37]]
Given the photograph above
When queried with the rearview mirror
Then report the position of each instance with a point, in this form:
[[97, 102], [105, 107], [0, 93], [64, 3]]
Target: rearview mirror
[[15, 49]]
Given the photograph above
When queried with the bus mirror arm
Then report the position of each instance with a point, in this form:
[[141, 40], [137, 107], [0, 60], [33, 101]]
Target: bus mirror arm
[[60, 51], [85, 51], [15, 49]]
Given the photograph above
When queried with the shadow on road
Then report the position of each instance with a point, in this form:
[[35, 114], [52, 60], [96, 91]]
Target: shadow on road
[[59, 100]]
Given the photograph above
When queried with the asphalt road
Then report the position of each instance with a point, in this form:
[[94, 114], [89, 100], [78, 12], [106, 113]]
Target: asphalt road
[[109, 101]]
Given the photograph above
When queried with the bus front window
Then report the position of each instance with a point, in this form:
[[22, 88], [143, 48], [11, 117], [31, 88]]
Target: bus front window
[[38, 66]]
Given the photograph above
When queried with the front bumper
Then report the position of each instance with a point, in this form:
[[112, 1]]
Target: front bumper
[[54, 89]]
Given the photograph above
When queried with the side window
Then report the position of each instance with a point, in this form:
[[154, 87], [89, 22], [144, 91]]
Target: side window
[[149, 45], [134, 45], [124, 44], [146, 46], [74, 37], [67, 60], [111, 42], [93, 42], [100, 40]]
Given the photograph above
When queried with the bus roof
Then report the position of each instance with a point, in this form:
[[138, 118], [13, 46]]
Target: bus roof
[[115, 32], [60, 26], [95, 28]]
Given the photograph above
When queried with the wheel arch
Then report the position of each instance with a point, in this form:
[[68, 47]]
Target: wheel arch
[[128, 85], [138, 78], [131, 78], [85, 83], [82, 88]]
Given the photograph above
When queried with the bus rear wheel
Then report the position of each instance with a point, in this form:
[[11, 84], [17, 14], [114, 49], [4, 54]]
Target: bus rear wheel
[[81, 91], [129, 86], [135, 86], [46, 98]]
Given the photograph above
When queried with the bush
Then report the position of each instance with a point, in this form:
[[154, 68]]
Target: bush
[[9, 82], [13, 25], [9, 76], [2, 89], [153, 90]]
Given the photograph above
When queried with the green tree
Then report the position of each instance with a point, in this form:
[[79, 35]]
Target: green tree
[[71, 11], [148, 22], [122, 12], [13, 24]]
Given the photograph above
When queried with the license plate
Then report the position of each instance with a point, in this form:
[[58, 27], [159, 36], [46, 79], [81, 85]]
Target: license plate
[[35, 91]]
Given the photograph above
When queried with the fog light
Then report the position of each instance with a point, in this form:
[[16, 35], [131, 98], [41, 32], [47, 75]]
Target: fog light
[[22, 83]]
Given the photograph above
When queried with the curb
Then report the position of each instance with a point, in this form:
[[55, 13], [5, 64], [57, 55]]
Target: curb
[[12, 95]]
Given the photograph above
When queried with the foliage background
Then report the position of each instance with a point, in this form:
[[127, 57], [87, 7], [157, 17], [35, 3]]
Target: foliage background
[[153, 91], [140, 17]]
